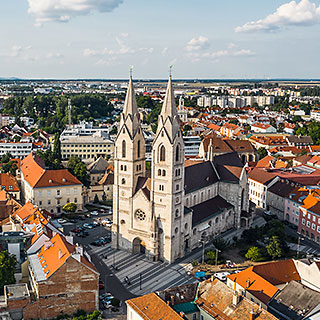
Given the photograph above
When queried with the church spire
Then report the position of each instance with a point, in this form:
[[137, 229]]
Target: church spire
[[130, 104], [169, 108]]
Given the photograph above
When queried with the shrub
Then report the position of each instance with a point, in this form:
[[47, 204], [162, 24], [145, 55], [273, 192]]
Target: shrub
[[254, 254]]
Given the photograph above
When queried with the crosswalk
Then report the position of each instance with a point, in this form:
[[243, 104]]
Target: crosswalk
[[305, 249], [144, 276]]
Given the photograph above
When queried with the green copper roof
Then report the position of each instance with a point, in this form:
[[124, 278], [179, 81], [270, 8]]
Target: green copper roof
[[187, 307]]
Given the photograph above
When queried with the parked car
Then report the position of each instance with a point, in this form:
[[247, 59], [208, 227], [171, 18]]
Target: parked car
[[108, 224], [62, 220], [94, 213], [76, 230], [101, 286], [222, 275]]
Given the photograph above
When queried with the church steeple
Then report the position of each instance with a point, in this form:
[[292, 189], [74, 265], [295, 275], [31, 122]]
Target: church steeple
[[130, 115], [168, 118], [130, 104], [169, 108]]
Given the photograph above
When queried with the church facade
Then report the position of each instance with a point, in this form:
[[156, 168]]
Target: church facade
[[169, 212]]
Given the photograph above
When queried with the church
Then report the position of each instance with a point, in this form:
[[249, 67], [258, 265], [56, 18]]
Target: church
[[169, 212]]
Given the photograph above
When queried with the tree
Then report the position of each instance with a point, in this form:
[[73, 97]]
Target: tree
[[254, 254], [274, 248], [186, 128], [211, 255], [49, 159], [6, 157], [280, 127], [114, 130], [79, 169], [57, 147], [262, 152], [8, 264], [70, 207]]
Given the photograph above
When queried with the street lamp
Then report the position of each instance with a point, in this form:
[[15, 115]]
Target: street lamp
[[217, 251], [202, 242], [298, 248]]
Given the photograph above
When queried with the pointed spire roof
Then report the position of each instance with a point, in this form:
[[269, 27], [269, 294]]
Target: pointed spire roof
[[169, 108], [130, 104]]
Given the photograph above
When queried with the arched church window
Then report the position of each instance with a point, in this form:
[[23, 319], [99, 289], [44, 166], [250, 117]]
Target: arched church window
[[164, 173], [123, 149], [177, 212], [178, 153], [159, 172], [187, 202], [123, 181], [138, 149], [162, 153]]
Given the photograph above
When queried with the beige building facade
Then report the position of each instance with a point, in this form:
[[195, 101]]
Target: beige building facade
[[166, 215]]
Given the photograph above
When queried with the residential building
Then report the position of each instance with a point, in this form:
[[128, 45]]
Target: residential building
[[299, 141], [191, 145], [315, 115], [49, 189], [309, 219], [87, 146], [229, 130], [10, 184], [263, 128], [208, 300], [164, 216], [16, 149]]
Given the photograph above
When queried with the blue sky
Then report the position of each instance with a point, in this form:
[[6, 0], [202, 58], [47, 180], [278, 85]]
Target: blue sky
[[202, 38]]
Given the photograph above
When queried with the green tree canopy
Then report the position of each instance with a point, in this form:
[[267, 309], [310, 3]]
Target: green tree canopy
[[8, 264], [262, 152], [254, 254], [79, 169], [274, 248], [70, 207]]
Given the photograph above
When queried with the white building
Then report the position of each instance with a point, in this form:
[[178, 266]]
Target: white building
[[16, 149]]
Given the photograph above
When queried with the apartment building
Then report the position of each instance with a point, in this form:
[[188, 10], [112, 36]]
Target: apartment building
[[49, 189], [87, 146], [16, 149]]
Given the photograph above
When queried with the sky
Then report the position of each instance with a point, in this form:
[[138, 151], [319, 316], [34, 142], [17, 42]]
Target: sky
[[204, 39]]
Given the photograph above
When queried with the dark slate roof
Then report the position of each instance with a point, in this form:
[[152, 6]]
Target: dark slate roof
[[98, 166], [300, 140], [199, 176], [282, 188], [229, 166], [293, 299], [208, 209], [143, 183]]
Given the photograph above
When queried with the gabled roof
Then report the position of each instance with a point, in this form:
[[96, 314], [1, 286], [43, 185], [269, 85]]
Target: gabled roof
[[152, 307], [107, 179], [98, 166], [199, 175], [216, 298], [32, 168], [255, 284], [6, 180], [208, 209], [27, 210]]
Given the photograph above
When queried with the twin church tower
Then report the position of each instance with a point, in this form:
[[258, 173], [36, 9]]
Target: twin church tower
[[148, 212]]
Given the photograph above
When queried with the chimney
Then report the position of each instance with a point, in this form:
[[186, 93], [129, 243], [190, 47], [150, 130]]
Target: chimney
[[235, 298], [252, 315]]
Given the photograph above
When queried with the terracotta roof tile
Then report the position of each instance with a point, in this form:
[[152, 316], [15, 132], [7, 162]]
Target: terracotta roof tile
[[6, 180], [152, 307]]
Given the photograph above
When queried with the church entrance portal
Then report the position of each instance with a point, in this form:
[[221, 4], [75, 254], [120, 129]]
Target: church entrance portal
[[138, 246]]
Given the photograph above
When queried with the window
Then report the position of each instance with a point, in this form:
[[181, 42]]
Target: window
[[159, 172], [10, 187], [308, 224], [201, 317], [121, 167], [308, 215], [58, 201], [318, 229], [49, 202], [123, 181], [187, 202], [313, 226], [162, 153], [123, 149], [40, 193], [138, 149], [177, 187], [161, 187], [164, 173], [303, 221], [40, 203], [75, 200], [140, 215], [177, 213], [75, 191], [58, 192], [178, 153], [314, 218], [194, 316]]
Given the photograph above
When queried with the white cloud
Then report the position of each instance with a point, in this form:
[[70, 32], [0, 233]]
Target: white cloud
[[197, 44], [164, 51], [291, 13], [123, 49], [216, 55], [63, 10]]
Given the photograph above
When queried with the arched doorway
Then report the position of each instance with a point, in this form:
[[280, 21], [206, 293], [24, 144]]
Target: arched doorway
[[138, 246]]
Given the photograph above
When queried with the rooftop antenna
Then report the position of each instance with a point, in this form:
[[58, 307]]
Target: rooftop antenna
[[69, 111]]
